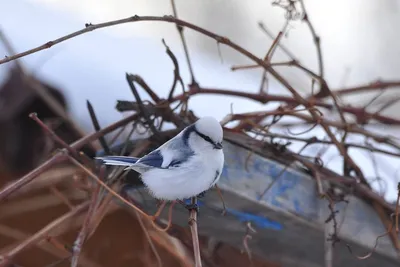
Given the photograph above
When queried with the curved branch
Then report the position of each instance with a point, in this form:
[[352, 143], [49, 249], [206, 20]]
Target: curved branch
[[361, 114]]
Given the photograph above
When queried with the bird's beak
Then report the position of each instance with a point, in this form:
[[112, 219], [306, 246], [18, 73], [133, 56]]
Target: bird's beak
[[218, 146]]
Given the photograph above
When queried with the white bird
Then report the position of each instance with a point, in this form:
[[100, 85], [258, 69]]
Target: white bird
[[183, 167]]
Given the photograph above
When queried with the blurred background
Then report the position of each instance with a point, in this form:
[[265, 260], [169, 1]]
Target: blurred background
[[359, 40]]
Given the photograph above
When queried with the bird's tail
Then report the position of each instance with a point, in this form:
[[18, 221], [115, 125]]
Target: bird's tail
[[118, 160]]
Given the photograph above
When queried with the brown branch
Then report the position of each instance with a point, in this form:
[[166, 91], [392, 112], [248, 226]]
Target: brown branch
[[72, 151], [96, 126], [219, 39], [177, 74], [315, 140], [143, 111], [378, 85], [353, 128], [185, 48], [317, 42], [361, 114], [81, 238], [195, 235], [268, 57], [280, 45]]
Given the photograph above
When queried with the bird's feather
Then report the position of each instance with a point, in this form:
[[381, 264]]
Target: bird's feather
[[153, 159], [118, 160]]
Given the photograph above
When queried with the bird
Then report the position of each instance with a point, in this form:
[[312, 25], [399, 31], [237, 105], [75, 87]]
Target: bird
[[185, 166]]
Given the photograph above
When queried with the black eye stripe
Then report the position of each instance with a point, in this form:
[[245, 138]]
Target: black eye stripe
[[205, 137]]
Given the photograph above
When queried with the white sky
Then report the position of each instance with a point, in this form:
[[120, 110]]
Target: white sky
[[359, 41]]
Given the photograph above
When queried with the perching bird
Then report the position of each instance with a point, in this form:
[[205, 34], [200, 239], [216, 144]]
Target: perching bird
[[185, 166]]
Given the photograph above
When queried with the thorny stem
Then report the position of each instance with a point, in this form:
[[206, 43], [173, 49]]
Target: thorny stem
[[317, 42], [268, 57], [281, 46]]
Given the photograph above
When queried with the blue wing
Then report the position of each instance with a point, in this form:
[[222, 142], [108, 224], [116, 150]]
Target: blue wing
[[163, 160], [153, 159], [174, 152]]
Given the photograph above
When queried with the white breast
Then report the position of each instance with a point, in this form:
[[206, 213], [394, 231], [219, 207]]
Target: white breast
[[196, 175]]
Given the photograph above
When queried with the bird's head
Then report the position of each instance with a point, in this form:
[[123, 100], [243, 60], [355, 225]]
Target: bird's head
[[206, 133]]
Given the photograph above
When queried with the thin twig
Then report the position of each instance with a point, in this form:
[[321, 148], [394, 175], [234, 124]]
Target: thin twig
[[185, 48], [97, 127], [85, 227], [195, 236]]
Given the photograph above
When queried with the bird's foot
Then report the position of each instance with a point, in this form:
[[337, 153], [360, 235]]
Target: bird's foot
[[191, 207]]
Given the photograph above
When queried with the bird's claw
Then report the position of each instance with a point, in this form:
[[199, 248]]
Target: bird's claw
[[191, 207]]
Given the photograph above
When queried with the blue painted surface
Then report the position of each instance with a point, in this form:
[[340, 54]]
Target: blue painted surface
[[292, 191]]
